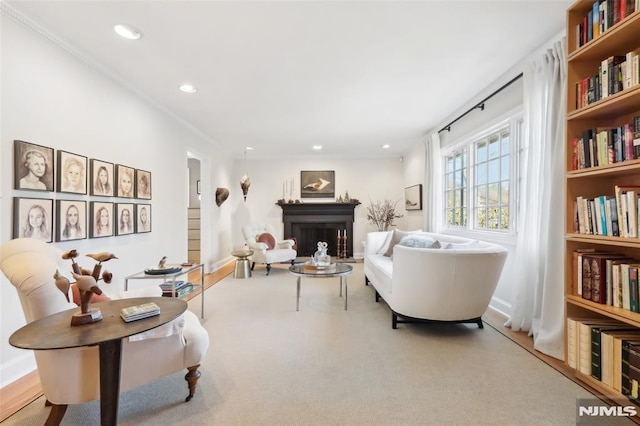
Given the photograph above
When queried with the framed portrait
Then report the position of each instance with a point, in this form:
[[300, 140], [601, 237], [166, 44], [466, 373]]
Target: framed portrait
[[33, 218], [72, 173], [101, 220], [124, 181], [143, 218], [72, 220], [413, 197], [317, 184], [33, 166], [143, 184], [101, 182], [125, 219]]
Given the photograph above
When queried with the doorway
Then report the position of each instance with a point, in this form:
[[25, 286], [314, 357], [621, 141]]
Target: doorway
[[193, 210]]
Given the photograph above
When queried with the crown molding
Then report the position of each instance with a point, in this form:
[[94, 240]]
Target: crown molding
[[28, 23]]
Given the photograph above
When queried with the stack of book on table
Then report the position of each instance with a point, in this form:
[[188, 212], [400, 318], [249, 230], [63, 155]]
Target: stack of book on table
[[182, 288], [137, 312]]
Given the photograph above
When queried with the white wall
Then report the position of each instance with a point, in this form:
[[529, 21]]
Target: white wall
[[364, 179], [51, 98]]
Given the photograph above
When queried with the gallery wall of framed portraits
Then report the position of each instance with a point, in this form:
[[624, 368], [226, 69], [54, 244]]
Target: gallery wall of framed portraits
[[76, 197]]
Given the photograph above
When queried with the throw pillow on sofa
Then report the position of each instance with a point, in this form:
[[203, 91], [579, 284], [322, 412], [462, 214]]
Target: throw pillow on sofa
[[419, 241], [396, 236], [268, 239]]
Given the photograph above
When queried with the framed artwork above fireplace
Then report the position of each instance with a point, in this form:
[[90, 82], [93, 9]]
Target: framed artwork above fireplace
[[317, 184]]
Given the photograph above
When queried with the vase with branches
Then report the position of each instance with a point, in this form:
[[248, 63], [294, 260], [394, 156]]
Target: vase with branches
[[382, 214]]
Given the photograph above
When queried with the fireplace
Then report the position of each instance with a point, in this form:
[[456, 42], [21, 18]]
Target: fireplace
[[313, 222]]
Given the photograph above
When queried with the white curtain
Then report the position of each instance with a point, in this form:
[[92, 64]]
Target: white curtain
[[433, 184], [538, 305]]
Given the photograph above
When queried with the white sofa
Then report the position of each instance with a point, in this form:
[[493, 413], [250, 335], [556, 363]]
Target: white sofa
[[454, 282]]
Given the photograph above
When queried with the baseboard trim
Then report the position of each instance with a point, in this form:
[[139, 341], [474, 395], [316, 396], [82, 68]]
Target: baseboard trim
[[19, 394]]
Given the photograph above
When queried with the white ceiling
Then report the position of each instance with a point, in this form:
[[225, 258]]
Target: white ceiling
[[282, 76]]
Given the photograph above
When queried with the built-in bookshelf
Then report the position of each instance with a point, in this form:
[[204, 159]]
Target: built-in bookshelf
[[602, 170]]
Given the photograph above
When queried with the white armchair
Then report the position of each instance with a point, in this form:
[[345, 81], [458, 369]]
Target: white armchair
[[282, 250], [71, 376]]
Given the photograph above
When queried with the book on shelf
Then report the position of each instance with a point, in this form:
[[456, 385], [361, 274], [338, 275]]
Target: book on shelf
[[577, 275], [598, 367], [584, 348], [601, 17], [137, 312], [611, 354], [183, 291], [595, 275], [167, 285]]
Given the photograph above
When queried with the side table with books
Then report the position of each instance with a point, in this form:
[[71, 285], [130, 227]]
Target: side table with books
[[170, 284]]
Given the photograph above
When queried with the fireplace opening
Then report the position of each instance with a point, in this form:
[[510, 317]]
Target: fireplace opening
[[313, 222], [309, 235]]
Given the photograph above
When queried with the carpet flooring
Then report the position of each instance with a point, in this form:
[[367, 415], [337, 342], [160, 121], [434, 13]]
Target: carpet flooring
[[271, 365]]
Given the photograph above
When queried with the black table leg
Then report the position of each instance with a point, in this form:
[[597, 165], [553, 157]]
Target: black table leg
[[110, 354]]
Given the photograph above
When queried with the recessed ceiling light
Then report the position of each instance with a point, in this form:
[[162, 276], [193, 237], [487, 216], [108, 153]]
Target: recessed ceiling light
[[249, 148], [317, 147], [188, 88], [127, 31], [386, 146]]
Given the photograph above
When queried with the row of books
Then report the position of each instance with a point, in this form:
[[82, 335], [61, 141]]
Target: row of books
[[603, 15], [615, 74], [615, 215], [182, 288], [607, 278], [606, 145], [606, 350]]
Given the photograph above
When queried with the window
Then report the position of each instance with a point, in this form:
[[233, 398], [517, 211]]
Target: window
[[456, 188], [480, 180], [491, 188]]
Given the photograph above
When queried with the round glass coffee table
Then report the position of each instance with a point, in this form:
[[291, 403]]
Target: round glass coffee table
[[303, 270]]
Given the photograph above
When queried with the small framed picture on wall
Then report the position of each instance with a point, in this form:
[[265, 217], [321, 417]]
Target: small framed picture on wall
[[124, 178], [72, 220], [143, 184], [125, 214], [101, 218], [101, 178], [72, 173], [33, 218], [33, 166], [143, 218], [413, 197]]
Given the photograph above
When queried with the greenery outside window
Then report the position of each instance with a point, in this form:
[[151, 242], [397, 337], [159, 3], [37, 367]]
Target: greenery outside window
[[480, 180]]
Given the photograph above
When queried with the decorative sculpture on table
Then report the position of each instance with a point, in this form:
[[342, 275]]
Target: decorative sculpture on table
[[321, 258], [87, 282]]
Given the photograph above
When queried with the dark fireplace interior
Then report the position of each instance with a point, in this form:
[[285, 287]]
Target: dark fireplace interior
[[310, 223], [308, 235]]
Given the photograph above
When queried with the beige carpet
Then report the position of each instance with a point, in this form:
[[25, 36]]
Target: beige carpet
[[271, 365]]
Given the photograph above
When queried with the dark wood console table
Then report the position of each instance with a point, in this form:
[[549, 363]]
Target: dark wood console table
[[56, 332]]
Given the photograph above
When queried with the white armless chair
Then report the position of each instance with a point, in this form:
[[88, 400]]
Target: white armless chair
[[282, 250], [71, 376]]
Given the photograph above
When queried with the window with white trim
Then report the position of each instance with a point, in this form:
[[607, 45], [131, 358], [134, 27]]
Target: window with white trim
[[480, 180]]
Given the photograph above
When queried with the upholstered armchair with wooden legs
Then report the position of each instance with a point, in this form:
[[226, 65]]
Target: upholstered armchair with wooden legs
[[71, 376], [261, 238]]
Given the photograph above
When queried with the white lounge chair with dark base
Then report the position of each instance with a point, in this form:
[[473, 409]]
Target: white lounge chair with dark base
[[72, 376], [266, 248]]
